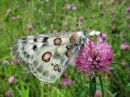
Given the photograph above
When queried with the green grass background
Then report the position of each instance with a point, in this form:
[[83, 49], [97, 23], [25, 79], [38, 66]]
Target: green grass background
[[50, 16]]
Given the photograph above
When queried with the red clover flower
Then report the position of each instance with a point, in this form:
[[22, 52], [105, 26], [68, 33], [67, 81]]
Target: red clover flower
[[94, 57]]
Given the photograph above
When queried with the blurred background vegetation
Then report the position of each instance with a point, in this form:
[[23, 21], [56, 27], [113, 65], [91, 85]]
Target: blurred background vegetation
[[24, 17]]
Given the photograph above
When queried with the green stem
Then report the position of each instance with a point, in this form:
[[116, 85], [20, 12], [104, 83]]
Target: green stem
[[101, 83], [92, 86]]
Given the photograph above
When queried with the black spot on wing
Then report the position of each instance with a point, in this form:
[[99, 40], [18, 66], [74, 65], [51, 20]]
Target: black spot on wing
[[34, 47], [35, 39], [24, 42], [45, 42], [24, 38], [45, 39], [57, 68], [70, 47], [26, 54]]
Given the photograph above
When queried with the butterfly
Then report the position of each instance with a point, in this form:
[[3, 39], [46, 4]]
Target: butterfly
[[47, 55]]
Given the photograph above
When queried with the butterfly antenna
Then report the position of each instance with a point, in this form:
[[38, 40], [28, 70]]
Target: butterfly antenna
[[79, 25], [83, 30]]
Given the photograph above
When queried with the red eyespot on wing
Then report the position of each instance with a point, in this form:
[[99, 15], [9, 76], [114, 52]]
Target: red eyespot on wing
[[57, 41], [73, 38], [69, 53], [46, 56]]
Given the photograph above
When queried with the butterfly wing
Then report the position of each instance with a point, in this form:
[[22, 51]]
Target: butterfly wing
[[26, 47], [46, 56], [48, 64]]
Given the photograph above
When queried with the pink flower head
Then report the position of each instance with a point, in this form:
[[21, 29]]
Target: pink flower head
[[70, 7], [81, 18], [8, 93], [66, 81], [98, 93], [30, 27], [14, 18], [15, 61], [94, 57], [12, 80], [103, 36], [74, 8], [65, 73], [125, 46], [124, 65], [5, 62], [67, 7], [128, 9]]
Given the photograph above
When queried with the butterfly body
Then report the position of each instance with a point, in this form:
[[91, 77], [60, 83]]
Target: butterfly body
[[46, 56]]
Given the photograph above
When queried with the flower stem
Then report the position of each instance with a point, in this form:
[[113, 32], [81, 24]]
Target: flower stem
[[101, 83], [92, 86]]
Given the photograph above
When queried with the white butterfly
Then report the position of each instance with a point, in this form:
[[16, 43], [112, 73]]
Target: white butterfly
[[46, 56]]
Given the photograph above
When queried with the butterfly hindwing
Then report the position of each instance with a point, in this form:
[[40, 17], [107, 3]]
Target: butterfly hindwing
[[48, 64]]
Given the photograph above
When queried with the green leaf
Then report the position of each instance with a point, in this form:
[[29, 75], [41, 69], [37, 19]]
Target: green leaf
[[92, 86]]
